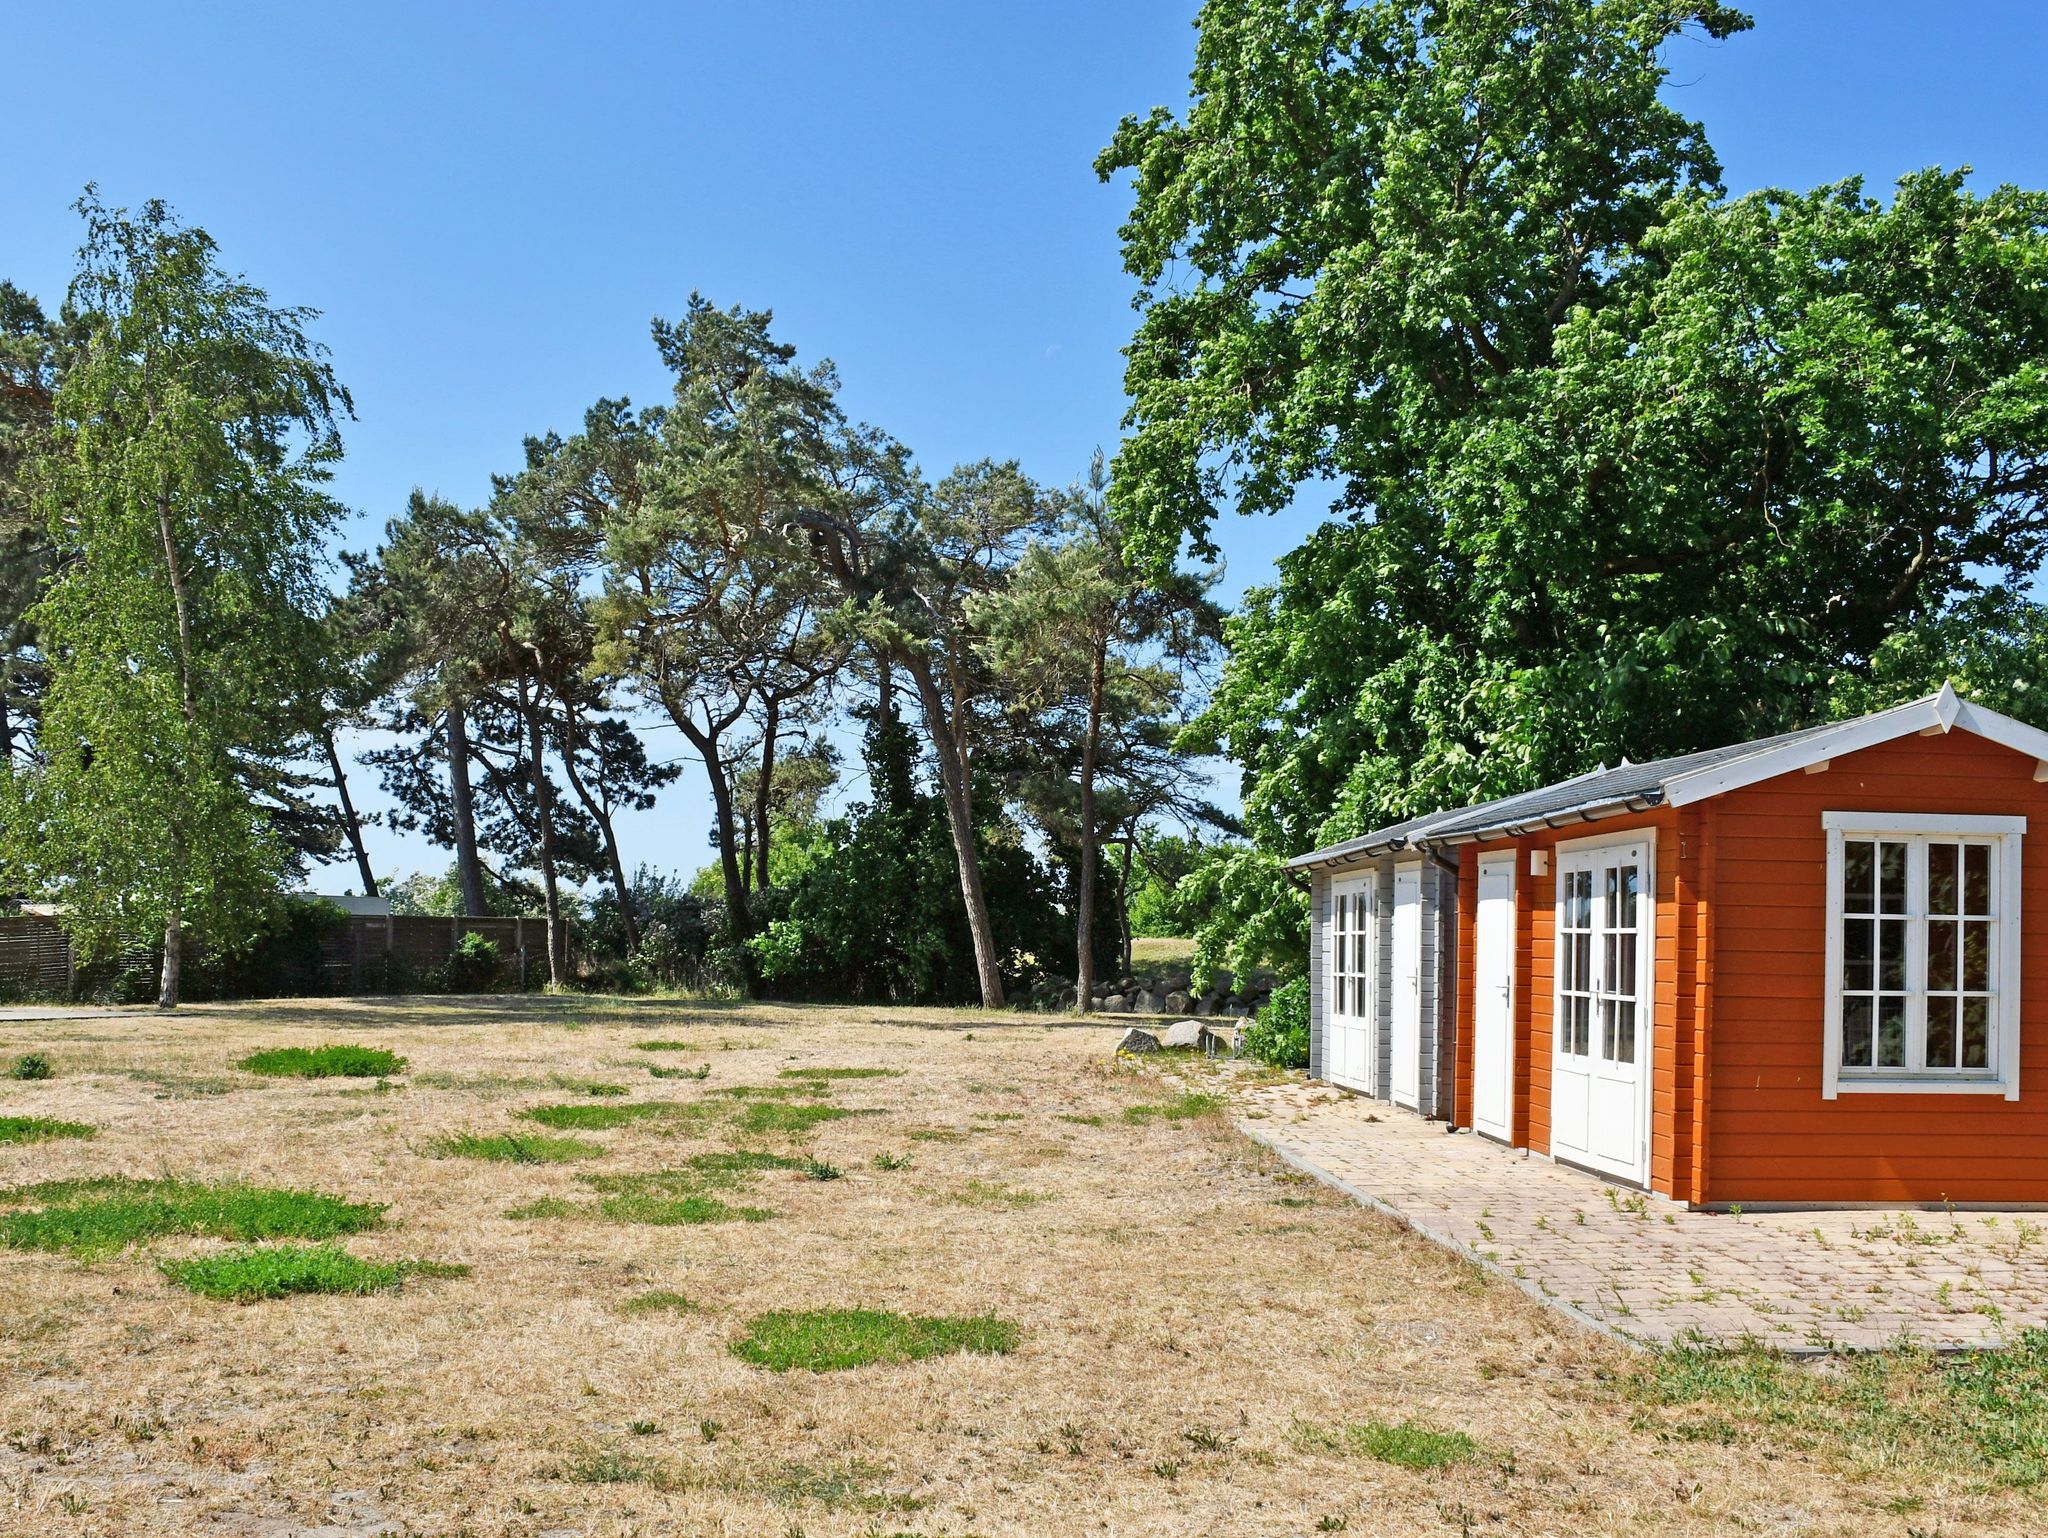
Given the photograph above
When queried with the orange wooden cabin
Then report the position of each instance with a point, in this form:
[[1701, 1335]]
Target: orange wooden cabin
[[1807, 970]]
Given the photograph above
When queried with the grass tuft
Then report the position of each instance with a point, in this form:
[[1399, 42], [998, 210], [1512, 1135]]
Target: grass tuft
[[1189, 1105], [102, 1216], [658, 1301], [663, 1046], [41, 1129], [819, 1169], [513, 1147], [330, 1062], [833, 1340], [30, 1065], [702, 1071], [578, 1086], [595, 1118]]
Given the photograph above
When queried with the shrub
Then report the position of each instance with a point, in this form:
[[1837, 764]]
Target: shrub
[[831, 1340], [30, 1065], [473, 964], [330, 1062], [1278, 1034]]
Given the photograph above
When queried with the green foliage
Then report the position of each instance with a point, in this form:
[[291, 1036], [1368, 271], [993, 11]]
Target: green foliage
[[329, 1062], [30, 1066], [513, 1147], [1617, 466], [833, 1340], [1163, 899], [275, 1271], [1278, 1034], [184, 496], [41, 1129], [99, 1216], [474, 964], [879, 915]]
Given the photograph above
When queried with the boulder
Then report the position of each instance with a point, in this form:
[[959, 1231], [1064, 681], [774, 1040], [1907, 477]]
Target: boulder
[[1146, 1002], [1205, 1006], [1177, 1003], [1135, 1040], [1182, 1033], [1115, 1004]]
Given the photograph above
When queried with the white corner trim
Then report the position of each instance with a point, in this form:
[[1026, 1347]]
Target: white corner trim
[[1919, 822]]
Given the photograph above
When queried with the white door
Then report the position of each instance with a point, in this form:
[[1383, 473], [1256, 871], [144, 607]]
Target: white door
[[1406, 1056], [1600, 1070], [1349, 1012], [1493, 980]]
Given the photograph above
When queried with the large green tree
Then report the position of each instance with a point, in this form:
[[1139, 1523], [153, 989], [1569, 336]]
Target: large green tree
[[1616, 466], [184, 490]]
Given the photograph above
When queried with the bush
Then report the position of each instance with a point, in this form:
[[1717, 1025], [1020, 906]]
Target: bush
[[1279, 1033], [30, 1065], [473, 964]]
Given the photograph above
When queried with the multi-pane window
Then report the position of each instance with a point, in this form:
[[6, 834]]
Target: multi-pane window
[[1619, 908], [1350, 968], [1576, 984], [1924, 919]]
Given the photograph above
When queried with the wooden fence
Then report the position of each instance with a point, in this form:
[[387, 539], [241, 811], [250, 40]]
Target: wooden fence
[[373, 953]]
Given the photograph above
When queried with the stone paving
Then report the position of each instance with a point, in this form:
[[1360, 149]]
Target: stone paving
[[1647, 1269]]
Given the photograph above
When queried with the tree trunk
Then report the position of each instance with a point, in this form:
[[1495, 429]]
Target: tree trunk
[[349, 820], [960, 815], [1084, 900], [573, 738], [544, 816], [736, 915], [469, 869], [174, 961], [6, 721], [771, 726], [1123, 897]]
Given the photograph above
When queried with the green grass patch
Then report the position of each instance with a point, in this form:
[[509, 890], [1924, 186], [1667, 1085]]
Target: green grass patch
[[1404, 1444], [597, 1118], [658, 1301], [765, 1117], [995, 1194], [842, 1073], [1980, 1414], [543, 1207], [30, 1065], [101, 1216], [832, 1340], [702, 1071], [596, 1087], [743, 1161], [614, 1468], [330, 1062], [1189, 1105], [664, 1046], [513, 1147], [256, 1272], [41, 1129], [1079, 1120], [799, 1091], [676, 1211]]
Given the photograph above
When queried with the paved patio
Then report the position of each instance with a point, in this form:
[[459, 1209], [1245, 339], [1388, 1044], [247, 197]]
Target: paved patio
[[1645, 1268]]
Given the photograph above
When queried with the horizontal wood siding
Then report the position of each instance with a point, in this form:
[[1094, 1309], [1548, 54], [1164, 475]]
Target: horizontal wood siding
[[1771, 1137]]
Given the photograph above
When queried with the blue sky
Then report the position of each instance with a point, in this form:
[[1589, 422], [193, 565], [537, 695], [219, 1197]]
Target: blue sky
[[488, 203]]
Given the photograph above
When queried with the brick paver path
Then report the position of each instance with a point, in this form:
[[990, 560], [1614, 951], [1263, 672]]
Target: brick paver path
[[1650, 1271]]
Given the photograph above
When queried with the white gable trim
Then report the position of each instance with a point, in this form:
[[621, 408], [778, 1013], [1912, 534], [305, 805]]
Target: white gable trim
[[1941, 712]]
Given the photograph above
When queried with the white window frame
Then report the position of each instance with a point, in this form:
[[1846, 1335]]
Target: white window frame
[[2003, 1077], [1362, 891]]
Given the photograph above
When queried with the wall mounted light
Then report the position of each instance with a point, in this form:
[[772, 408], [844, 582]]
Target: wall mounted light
[[1539, 862]]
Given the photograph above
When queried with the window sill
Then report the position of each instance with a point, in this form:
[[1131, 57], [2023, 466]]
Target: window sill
[[1912, 1086]]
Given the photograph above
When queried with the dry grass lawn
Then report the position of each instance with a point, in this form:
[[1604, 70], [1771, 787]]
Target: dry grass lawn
[[1205, 1343]]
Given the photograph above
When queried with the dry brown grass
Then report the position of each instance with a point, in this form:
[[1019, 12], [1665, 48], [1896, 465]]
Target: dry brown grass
[[1189, 1312]]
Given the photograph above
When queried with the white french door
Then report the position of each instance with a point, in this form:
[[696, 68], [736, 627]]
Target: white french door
[[1350, 1014], [1600, 1064], [1405, 1056], [1493, 979]]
